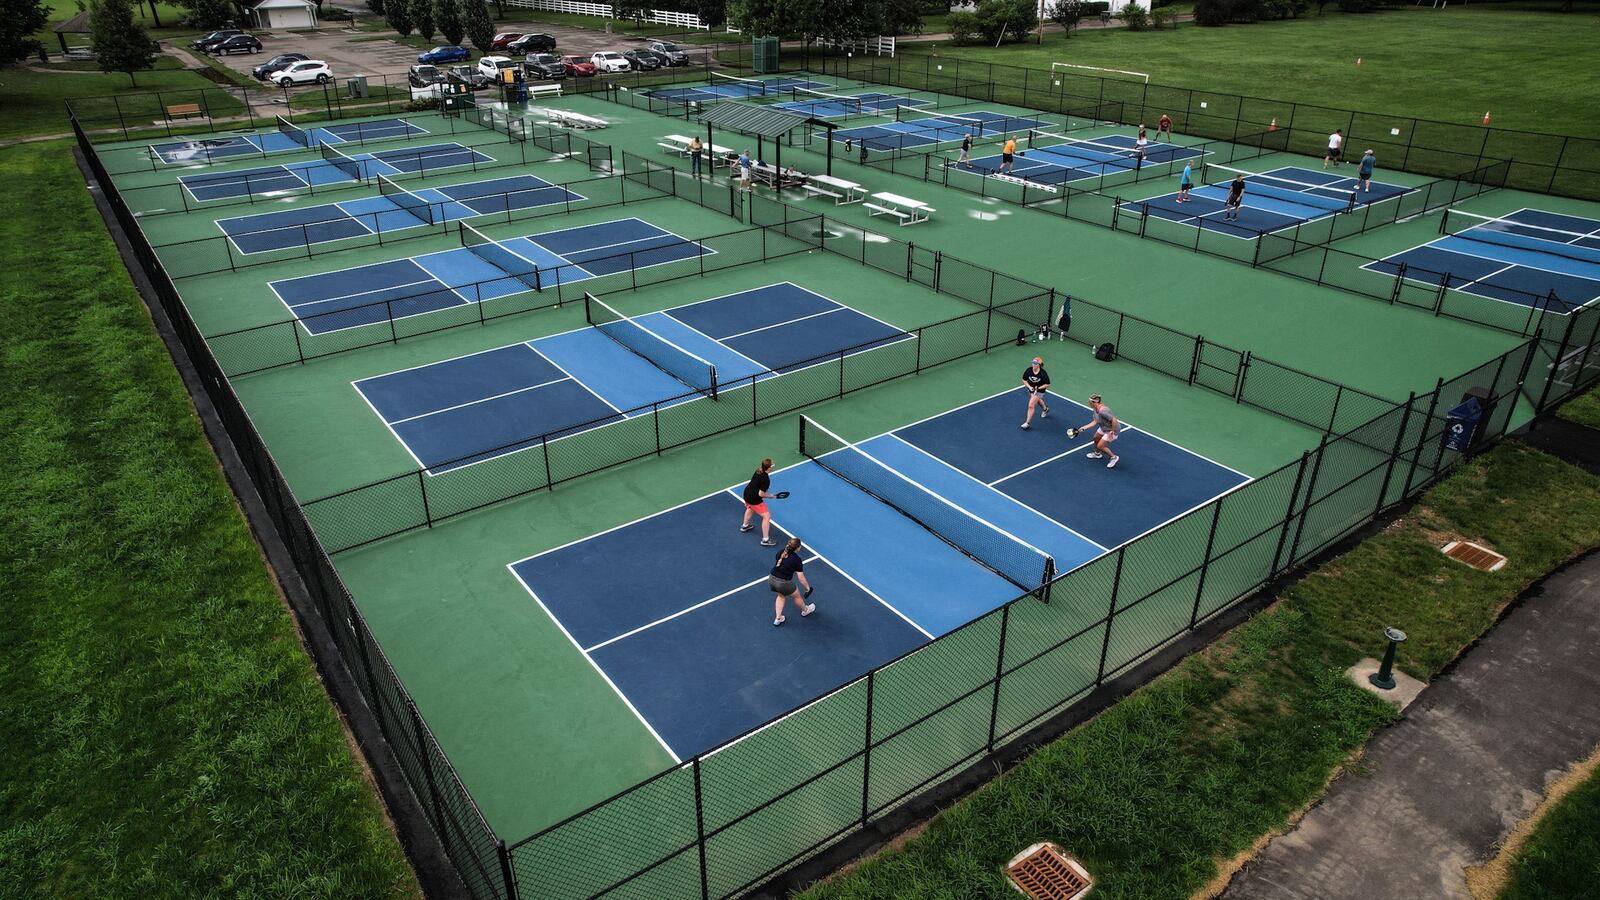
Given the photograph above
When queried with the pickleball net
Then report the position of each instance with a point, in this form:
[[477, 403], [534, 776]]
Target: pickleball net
[[342, 162], [655, 349], [997, 550], [1334, 197], [294, 132], [1578, 246], [406, 200], [496, 254]]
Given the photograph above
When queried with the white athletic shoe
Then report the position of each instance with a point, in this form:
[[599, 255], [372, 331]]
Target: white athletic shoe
[[1024, 426], [1045, 414], [768, 542], [746, 528], [808, 610], [1095, 454], [778, 621], [1113, 463]]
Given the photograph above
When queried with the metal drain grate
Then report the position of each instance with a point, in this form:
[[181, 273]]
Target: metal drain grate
[[1044, 872], [1481, 558]]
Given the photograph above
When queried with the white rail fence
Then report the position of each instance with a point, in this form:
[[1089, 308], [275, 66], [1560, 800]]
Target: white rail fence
[[606, 11]]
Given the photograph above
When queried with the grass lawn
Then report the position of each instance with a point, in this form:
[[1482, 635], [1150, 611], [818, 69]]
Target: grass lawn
[[1583, 409], [165, 734], [1451, 64], [1561, 859], [35, 102], [1195, 766]]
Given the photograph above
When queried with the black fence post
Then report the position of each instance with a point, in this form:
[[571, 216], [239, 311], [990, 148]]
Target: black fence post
[[1311, 496], [422, 489], [436, 806], [866, 752], [1244, 372], [506, 875], [1288, 516], [999, 668], [1205, 563], [1422, 437], [1111, 616], [700, 831], [1394, 453]]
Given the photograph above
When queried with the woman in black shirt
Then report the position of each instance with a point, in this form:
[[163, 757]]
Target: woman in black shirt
[[755, 503], [785, 571]]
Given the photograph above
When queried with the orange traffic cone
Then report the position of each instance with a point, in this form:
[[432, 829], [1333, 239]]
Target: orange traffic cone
[[1274, 125], [1485, 118]]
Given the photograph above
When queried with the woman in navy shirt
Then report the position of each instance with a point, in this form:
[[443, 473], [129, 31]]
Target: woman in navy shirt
[[785, 571]]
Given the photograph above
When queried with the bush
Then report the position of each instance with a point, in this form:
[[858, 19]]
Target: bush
[[1136, 17], [1095, 8], [422, 104], [1245, 11], [1160, 19], [1000, 19], [1357, 6], [1211, 13], [963, 26]]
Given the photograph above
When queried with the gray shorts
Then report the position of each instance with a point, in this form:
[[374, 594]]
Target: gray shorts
[[779, 586]]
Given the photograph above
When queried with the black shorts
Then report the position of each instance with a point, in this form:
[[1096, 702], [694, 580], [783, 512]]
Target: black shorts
[[1005, 157], [1335, 152]]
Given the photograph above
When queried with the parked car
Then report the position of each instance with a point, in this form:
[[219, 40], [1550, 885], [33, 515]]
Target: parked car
[[579, 66], [306, 71], [422, 76], [204, 42], [503, 38], [469, 76], [532, 43], [642, 60], [445, 54], [490, 67], [674, 54], [544, 65], [239, 43], [264, 71], [609, 61]]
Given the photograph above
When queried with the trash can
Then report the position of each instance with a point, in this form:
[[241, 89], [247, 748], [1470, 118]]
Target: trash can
[[1462, 423]]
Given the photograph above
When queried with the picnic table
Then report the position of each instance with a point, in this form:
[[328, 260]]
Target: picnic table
[[906, 209], [773, 177], [839, 189]]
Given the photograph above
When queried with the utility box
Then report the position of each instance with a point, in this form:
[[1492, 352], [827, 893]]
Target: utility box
[[356, 87], [764, 55]]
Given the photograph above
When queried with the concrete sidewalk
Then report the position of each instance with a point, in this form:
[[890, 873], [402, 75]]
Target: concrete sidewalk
[[1440, 790]]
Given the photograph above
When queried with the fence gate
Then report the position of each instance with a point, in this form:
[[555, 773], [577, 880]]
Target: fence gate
[[922, 266], [1217, 367]]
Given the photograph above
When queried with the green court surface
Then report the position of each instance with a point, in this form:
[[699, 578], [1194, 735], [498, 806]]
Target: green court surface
[[532, 727]]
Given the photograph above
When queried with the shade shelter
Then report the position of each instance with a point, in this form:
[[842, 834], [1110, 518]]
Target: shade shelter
[[763, 122]]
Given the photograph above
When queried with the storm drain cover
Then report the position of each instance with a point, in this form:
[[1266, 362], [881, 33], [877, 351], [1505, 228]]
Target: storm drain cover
[[1481, 558], [1044, 872]]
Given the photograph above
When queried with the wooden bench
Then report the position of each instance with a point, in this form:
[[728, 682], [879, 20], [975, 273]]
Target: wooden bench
[[183, 110]]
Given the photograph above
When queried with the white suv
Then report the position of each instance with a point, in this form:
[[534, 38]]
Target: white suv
[[310, 71], [610, 61], [490, 67]]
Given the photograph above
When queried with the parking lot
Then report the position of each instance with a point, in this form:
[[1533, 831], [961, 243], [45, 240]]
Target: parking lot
[[350, 53]]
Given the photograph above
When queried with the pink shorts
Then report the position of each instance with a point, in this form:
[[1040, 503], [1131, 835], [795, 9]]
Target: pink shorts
[[759, 509]]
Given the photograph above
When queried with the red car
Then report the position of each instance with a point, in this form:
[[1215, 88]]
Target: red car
[[503, 38], [579, 66]]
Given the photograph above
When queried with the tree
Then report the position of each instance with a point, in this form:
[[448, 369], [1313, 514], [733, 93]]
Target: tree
[[208, 14], [398, 14], [1136, 17], [377, 7], [120, 43], [1211, 12], [630, 10], [713, 13], [479, 28], [1066, 13], [962, 25], [999, 19], [900, 17], [19, 19], [422, 17], [783, 18], [447, 18]]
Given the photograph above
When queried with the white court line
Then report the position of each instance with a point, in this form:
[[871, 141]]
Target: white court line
[[1002, 495], [601, 672], [685, 611], [1044, 462], [729, 337], [305, 303], [580, 383], [398, 439], [435, 412], [231, 182]]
